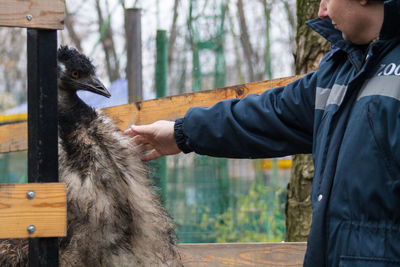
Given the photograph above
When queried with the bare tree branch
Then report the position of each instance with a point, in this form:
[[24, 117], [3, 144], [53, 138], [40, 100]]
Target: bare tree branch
[[238, 60], [69, 24], [173, 34], [291, 15], [245, 40], [107, 42], [13, 62], [267, 53]]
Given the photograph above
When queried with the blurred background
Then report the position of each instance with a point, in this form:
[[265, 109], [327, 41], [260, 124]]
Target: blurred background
[[208, 44]]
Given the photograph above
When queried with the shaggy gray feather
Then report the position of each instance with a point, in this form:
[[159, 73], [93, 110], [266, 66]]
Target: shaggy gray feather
[[114, 216]]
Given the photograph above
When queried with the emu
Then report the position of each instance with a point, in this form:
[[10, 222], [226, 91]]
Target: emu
[[114, 217]]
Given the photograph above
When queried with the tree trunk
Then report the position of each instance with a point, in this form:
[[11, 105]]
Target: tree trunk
[[310, 49], [173, 34], [107, 42], [245, 40], [267, 54], [69, 25], [238, 58]]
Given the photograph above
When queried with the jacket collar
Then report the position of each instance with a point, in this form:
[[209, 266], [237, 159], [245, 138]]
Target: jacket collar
[[325, 28], [391, 23]]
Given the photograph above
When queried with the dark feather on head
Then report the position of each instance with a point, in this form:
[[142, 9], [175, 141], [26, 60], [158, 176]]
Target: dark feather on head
[[75, 61]]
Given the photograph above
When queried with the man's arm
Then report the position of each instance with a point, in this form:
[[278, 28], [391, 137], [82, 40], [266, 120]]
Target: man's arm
[[276, 123]]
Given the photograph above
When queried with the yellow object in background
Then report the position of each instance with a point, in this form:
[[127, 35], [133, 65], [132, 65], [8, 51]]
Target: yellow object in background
[[13, 118], [283, 163]]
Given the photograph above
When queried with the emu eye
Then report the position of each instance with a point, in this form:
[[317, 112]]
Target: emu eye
[[75, 74]]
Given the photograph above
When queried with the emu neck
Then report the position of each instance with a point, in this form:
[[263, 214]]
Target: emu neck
[[73, 112]]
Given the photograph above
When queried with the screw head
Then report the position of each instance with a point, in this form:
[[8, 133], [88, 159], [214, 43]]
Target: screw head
[[29, 17], [31, 229], [30, 194]]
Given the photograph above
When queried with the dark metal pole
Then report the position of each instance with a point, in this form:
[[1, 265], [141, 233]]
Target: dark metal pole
[[134, 50], [42, 129]]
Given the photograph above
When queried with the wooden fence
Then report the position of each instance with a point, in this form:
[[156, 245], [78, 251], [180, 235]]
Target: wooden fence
[[38, 211], [243, 254], [13, 137]]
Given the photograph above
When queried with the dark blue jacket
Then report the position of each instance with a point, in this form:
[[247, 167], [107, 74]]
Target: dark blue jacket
[[347, 114]]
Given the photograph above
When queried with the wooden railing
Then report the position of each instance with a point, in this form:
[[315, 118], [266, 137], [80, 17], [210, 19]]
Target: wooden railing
[[39, 205], [38, 14], [45, 209], [243, 254], [13, 137], [38, 209]]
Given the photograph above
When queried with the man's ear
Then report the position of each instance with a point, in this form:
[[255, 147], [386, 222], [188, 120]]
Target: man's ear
[[363, 2]]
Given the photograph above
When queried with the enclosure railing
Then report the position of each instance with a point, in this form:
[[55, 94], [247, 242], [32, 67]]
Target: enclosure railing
[[13, 137], [38, 211]]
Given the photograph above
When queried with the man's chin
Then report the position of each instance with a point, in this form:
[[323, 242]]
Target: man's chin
[[346, 38], [356, 41]]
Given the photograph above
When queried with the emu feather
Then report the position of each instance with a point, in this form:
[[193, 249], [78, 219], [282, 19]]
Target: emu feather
[[114, 217]]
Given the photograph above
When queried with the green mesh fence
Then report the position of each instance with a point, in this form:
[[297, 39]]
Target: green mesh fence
[[13, 167], [220, 200], [211, 200]]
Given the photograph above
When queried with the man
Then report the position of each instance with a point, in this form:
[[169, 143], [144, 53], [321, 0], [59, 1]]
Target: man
[[347, 114]]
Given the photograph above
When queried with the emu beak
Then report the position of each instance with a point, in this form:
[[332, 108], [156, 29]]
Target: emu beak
[[94, 85]]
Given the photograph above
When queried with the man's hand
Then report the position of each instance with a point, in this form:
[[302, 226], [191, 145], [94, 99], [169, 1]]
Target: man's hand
[[154, 140]]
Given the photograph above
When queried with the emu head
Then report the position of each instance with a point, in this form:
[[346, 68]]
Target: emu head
[[76, 72]]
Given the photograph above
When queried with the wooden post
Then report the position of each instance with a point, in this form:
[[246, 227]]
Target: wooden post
[[42, 128], [134, 50]]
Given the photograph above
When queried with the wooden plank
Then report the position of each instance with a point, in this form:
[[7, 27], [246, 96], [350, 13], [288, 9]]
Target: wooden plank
[[40, 14], [47, 211], [13, 136], [243, 254], [173, 107]]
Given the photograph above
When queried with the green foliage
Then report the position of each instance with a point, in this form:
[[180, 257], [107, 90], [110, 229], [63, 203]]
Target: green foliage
[[257, 217]]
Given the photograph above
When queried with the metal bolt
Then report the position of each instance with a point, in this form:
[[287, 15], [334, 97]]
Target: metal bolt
[[31, 229], [29, 17], [30, 194]]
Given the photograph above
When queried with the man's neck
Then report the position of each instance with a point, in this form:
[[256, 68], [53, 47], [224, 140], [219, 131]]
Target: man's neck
[[374, 16]]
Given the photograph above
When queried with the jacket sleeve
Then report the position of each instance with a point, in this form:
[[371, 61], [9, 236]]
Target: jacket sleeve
[[276, 123]]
